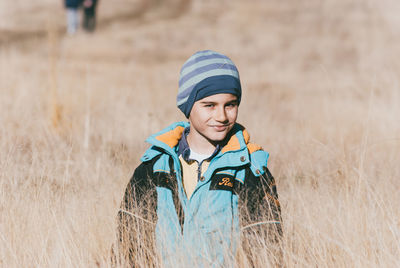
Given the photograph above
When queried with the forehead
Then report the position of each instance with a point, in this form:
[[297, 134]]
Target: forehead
[[222, 97]]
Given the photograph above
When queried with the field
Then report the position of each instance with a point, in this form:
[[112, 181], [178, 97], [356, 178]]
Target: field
[[321, 95]]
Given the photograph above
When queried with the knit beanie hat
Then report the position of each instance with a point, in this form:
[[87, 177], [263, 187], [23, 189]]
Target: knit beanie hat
[[204, 74]]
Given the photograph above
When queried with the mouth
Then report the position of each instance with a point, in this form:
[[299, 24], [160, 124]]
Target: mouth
[[220, 128]]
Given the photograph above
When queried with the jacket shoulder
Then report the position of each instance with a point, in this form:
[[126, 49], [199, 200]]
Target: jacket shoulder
[[253, 147], [142, 179], [258, 159]]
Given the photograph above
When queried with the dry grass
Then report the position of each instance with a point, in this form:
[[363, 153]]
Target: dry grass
[[321, 95]]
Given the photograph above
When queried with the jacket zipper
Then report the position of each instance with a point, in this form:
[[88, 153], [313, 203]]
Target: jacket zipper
[[199, 170]]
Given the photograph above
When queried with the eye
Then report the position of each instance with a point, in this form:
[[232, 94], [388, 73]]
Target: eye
[[210, 105], [232, 104]]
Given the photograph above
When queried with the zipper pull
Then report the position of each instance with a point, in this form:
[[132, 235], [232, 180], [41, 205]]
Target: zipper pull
[[199, 171]]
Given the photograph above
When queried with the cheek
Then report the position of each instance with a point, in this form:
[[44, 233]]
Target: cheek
[[232, 114], [200, 120], [204, 117]]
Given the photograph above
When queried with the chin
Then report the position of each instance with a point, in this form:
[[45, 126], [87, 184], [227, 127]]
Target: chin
[[218, 137]]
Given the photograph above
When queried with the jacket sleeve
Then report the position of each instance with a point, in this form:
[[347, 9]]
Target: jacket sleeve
[[260, 218], [136, 220], [259, 206]]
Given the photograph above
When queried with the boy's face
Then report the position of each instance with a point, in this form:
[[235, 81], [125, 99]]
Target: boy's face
[[214, 116]]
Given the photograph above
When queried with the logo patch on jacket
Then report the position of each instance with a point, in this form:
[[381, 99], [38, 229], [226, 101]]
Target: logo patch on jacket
[[222, 182]]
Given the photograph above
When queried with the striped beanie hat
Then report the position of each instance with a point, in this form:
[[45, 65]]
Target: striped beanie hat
[[204, 74]]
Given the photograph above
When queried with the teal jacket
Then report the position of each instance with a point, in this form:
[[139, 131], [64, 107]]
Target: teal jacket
[[235, 194]]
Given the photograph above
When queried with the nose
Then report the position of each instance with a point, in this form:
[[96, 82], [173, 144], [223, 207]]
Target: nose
[[220, 115]]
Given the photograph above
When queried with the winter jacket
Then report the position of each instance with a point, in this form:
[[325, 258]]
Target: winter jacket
[[235, 195]]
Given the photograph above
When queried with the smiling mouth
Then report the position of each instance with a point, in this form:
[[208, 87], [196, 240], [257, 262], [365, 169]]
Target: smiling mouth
[[220, 128]]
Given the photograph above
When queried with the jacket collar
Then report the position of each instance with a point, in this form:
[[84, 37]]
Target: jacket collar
[[168, 140]]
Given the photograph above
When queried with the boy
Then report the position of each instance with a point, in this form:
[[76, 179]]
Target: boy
[[200, 183]]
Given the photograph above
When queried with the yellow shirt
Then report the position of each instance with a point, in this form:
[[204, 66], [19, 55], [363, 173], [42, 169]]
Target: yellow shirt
[[190, 174]]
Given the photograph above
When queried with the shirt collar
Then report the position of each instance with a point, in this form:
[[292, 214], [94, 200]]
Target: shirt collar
[[184, 149]]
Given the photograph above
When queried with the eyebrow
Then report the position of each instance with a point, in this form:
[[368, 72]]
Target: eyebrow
[[214, 102], [235, 100]]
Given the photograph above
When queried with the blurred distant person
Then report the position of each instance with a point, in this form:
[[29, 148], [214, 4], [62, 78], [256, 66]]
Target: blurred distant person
[[72, 7], [89, 15]]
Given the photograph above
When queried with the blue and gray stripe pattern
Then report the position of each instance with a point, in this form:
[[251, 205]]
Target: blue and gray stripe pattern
[[204, 74]]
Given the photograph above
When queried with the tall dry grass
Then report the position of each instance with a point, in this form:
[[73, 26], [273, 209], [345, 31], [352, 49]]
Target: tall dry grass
[[321, 94]]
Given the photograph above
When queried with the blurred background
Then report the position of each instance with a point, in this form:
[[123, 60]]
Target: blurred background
[[321, 94], [293, 47]]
